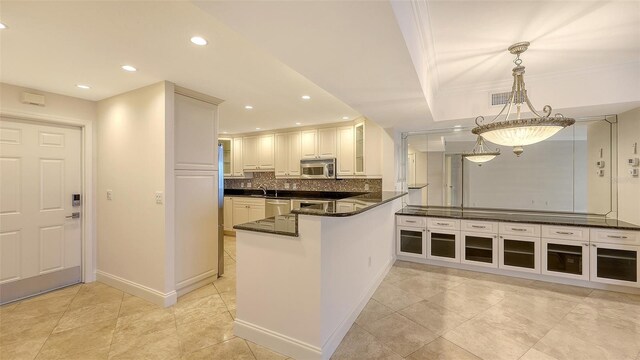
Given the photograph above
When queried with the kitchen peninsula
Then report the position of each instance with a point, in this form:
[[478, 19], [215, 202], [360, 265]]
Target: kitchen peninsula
[[301, 287]]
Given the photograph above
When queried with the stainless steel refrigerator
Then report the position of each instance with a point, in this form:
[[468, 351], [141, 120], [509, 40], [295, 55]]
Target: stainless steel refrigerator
[[220, 210]]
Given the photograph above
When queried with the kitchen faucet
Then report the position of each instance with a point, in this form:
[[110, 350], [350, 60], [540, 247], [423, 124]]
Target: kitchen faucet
[[264, 189]]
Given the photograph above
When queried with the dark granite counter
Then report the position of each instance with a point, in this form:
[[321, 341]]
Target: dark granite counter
[[583, 220], [280, 224], [350, 206], [291, 194], [417, 186]]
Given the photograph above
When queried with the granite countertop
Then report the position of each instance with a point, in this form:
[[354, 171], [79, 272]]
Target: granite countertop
[[291, 194], [417, 186], [519, 216], [280, 224], [350, 206]]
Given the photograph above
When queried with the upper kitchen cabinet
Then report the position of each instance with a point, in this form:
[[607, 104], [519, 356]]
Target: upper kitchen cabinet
[[196, 138], [368, 149], [236, 163], [258, 153], [227, 156], [345, 152], [287, 154], [320, 143]]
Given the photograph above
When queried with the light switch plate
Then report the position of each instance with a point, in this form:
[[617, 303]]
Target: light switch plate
[[109, 194], [159, 197], [634, 172]]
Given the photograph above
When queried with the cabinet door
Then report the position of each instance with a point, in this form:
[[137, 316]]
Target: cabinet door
[[615, 264], [359, 149], [520, 253], [256, 212], [266, 153], [196, 138], [228, 213], [411, 241], [237, 157], [479, 249], [227, 156], [327, 143], [308, 144], [240, 213], [566, 258], [443, 245], [250, 153], [345, 157], [282, 154], [293, 167]]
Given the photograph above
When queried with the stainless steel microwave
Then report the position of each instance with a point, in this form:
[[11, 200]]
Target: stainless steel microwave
[[318, 169]]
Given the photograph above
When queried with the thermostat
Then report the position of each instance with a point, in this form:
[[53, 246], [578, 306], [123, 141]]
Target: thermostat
[[600, 164], [633, 162]]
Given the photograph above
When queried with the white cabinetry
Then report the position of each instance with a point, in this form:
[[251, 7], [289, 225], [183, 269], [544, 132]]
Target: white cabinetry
[[265, 157], [237, 164], [287, 155], [258, 152], [247, 209], [195, 133], [227, 156], [250, 153], [443, 239], [614, 257], [368, 149], [327, 143], [411, 235], [345, 157], [479, 243], [565, 252], [309, 146]]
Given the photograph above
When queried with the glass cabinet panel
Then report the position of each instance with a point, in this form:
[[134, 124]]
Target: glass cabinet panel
[[617, 264], [411, 242], [226, 155], [443, 245], [478, 248], [519, 253], [564, 258], [359, 147]]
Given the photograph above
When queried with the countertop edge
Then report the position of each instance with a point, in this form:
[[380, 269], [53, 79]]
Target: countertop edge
[[283, 233], [351, 213]]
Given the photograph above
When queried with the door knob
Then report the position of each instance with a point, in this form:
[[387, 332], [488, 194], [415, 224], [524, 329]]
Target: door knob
[[75, 215]]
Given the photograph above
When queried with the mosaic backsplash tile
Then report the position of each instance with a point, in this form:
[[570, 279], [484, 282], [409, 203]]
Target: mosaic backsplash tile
[[268, 179]]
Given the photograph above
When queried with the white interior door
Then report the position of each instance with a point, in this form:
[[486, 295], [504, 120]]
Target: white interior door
[[40, 239]]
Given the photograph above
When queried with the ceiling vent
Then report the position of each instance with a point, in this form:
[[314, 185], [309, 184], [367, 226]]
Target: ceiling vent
[[501, 98], [33, 99]]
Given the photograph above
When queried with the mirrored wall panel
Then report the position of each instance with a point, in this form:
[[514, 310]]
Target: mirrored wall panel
[[570, 172]]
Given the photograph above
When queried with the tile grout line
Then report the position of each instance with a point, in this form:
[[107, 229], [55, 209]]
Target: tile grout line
[[116, 325], [58, 322]]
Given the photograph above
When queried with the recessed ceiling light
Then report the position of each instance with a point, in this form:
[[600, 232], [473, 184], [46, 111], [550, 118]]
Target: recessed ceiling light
[[306, 97], [248, 107], [129, 68], [457, 129], [199, 41], [457, 126], [225, 132], [2, 26], [298, 123], [345, 118], [83, 86], [257, 128]]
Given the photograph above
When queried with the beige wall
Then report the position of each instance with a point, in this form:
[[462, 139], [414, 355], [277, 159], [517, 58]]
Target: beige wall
[[131, 162], [628, 186]]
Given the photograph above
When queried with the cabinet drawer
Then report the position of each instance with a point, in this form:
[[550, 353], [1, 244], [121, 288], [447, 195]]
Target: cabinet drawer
[[622, 237], [249, 201], [479, 226], [414, 221], [519, 229], [565, 232], [437, 223]]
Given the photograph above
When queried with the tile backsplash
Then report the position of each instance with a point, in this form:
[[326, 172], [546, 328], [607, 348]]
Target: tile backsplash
[[268, 179]]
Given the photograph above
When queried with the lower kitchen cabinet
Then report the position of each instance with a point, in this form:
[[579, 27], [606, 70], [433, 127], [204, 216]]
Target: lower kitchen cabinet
[[615, 264], [479, 249], [519, 253], [247, 209], [412, 241], [565, 258], [443, 244]]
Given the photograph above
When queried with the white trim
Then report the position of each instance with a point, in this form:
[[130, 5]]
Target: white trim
[[88, 154], [196, 282], [141, 291], [276, 341], [336, 337]]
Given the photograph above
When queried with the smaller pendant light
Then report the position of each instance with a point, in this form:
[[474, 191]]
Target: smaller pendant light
[[480, 154]]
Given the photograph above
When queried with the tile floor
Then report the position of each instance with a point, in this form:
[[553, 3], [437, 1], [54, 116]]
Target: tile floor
[[418, 312]]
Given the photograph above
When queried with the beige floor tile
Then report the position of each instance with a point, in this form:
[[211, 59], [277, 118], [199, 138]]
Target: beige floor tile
[[373, 311], [25, 349], [233, 313], [30, 328], [92, 354], [95, 293], [64, 292], [229, 299], [468, 299], [81, 339], [534, 354], [204, 291], [542, 309], [143, 324], [156, 345], [88, 315], [205, 332], [474, 338], [562, 345], [263, 353], [197, 309], [359, 344], [512, 325], [234, 349], [560, 291], [226, 283], [615, 305], [441, 349], [400, 334], [426, 286], [135, 305], [394, 297], [31, 309], [433, 317]]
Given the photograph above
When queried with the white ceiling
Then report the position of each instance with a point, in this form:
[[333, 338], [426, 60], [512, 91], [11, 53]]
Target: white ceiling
[[54, 45]]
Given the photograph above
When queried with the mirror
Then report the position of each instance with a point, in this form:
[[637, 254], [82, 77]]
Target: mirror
[[570, 172]]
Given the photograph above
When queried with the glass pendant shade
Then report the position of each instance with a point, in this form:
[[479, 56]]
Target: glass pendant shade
[[480, 154], [520, 132], [480, 158]]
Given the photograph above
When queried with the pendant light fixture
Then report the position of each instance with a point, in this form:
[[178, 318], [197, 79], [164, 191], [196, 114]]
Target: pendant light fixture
[[519, 132], [480, 154]]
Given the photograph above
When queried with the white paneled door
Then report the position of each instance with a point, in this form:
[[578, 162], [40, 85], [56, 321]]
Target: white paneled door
[[40, 237]]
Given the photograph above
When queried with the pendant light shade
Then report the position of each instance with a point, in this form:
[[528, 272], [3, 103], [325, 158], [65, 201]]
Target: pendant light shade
[[480, 154]]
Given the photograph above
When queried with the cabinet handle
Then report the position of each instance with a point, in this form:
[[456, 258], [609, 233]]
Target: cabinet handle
[[585, 244], [594, 245], [517, 229], [442, 224], [564, 232], [410, 221], [478, 226], [616, 236]]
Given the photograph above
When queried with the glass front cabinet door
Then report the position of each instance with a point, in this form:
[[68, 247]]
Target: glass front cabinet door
[[412, 241], [565, 258], [479, 249], [443, 245], [615, 264], [520, 253]]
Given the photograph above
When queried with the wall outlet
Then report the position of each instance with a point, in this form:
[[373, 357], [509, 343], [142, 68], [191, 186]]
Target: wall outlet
[[634, 172], [248, 184], [109, 194], [286, 185], [366, 187], [241, 184], [159, 198], [600, 172], [600, 164], [295, 186], [633, 161]]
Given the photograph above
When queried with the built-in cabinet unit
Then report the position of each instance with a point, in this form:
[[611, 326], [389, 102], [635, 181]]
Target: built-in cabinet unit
[[287, 154], [583, 254], [236, 163], [318, 143], [258, 153], [309, 144], [247, 209], [227, 156], [345, 156], [367, 149]]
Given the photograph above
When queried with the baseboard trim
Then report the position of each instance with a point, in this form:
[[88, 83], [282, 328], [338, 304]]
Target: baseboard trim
[[196, 282], [141, 291], [276, 341], [336, 337]]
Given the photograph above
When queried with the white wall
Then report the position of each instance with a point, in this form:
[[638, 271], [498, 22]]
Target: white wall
[[71, 111], [132, 246], [628, 186]]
